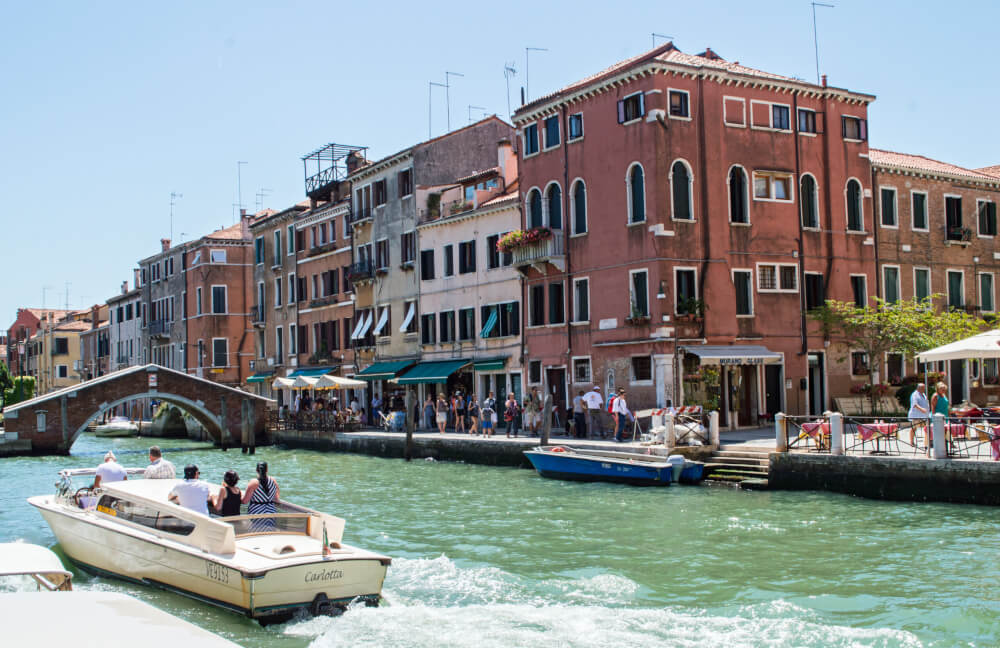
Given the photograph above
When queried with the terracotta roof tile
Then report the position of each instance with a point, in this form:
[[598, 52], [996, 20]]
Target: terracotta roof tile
[[40, 312], [925, 164], [501, 198], [991, 170], [482, 173], [73, 326], [231, 233]]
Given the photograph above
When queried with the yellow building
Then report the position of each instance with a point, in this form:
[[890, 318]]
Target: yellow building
[[54, 358]]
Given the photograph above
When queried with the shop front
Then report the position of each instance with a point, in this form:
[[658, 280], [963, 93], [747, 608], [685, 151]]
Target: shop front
[[742, 382]]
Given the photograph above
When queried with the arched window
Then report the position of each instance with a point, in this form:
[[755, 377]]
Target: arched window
[[636, 195], [579, 200], [855, 220], [738, 196], [554, 198], [609, 382], [535, 208], [808, 202], [680, 181]]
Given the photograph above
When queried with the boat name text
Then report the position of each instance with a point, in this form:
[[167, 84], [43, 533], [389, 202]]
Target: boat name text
[[325, 575]]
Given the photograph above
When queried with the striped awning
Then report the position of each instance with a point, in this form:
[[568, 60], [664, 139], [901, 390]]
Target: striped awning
[[260, 376], [430, 372]]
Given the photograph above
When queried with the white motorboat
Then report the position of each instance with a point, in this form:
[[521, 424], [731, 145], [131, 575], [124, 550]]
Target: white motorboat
[[263, 566], [20, 559], [118, 426]]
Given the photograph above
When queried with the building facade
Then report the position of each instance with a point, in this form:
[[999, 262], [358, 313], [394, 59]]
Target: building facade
[[709, 206], [936, 228], [162, 287], [125, 328]]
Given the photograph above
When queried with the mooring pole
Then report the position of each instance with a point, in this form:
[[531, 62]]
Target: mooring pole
[[244, 434], [546, 419], [408, 452]]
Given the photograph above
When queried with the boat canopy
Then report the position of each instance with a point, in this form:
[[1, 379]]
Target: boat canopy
[[23, 559]]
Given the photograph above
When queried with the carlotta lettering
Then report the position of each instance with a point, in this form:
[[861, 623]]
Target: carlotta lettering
[[330, 574]]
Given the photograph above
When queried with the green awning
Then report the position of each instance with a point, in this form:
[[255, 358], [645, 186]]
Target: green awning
[[431, 372], [311, 373], [491, 322], [490, 364], [260, 376], [384, 370]]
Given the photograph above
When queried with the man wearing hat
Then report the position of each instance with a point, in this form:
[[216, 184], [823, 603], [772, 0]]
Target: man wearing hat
[[592, 410], [109, 471], [192, 493]]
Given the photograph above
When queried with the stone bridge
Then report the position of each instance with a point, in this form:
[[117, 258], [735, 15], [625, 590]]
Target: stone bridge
[[53, 421]]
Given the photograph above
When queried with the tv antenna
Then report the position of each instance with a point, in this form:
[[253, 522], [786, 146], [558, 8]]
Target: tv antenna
[[259, 201], [67, 295], [239, 186], [44, 290], [527, 73], [430, 88], [663, 36], [815, 38], [173, 200], [447, 95], [471, 107], [508, 72]]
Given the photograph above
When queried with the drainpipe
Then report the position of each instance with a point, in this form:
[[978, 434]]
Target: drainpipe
[[705, 229], [566, 224], [875, 191], [801, 247]]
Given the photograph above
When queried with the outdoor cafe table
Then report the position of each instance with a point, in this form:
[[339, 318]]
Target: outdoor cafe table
[[818, 431], [876, 432]]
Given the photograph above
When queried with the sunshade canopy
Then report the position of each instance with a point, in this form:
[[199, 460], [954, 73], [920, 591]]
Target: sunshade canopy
[[734, 355], [305, 382], [984, 345], [490, 364], [260, 376], [313, 371], [384, 370], [282, 383], [336, 382], [431, 372]]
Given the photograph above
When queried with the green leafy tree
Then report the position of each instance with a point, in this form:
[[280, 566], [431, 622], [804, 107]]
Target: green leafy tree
[[22, 389], [907, 327], [6, 382]]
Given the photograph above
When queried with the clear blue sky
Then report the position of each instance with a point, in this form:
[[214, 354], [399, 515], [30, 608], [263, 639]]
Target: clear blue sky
[[109, 107]]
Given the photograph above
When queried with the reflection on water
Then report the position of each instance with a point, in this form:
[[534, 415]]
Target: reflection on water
[[500, 557]]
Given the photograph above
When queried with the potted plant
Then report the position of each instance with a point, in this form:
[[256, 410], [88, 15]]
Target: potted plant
[[636, 316], [694, 308], [521, 238]]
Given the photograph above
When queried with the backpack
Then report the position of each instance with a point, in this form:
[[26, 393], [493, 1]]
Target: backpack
[[611, 405]]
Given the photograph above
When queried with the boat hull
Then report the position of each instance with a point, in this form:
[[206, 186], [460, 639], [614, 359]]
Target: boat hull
[[116, 431], [692, 473], [574, 467], [318, 586]]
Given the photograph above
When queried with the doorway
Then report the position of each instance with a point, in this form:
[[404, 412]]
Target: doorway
[[772, 389], [817, 383], [956, 378], [556, 384]]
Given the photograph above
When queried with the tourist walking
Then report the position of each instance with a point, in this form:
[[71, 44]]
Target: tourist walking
[[532, 413], [510, 412], [376, 410], [458, 406], [621, 415], [429, 412], [487, 415], [594, 404], [472, 407], [441, 413], [579, 416], [939, 405], [920, 412]]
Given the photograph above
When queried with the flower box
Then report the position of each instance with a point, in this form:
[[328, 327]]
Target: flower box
[[521, 238]]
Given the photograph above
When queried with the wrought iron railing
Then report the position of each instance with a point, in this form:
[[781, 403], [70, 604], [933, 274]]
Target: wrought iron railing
[[159, 328], [539, 250], [257, 314], [361, 270]]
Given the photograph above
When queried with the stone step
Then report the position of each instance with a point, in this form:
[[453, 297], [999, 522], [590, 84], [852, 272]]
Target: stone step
[[745, 450], [754, 484], [754, 461], [743, 469]]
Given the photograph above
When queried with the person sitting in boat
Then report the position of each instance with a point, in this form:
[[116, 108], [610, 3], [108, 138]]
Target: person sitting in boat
[[192, 493], [227, 501], [159, 468], [261, 497], [109, 471]]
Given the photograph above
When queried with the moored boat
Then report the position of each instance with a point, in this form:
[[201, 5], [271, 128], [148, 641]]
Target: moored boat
[[118, 426], [35, 562], [263, 566], [564, 462]]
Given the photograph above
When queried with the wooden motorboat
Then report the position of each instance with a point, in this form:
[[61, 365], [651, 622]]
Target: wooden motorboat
[[263, 566], [118, 426], [565, 462]]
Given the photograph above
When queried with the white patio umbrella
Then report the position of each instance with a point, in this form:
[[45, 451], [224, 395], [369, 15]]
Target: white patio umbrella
[[337, 382], [305, 382], [282, 383], [984, 345]]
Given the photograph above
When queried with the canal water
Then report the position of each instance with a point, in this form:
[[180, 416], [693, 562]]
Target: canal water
[[500, 557]]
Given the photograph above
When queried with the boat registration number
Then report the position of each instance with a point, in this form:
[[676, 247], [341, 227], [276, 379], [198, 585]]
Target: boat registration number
[[217, 572]]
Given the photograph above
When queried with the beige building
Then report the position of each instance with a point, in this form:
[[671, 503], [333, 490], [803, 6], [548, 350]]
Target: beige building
[[54, 358]]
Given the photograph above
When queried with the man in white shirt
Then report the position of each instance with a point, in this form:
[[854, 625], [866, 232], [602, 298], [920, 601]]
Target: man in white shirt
[[109, 471], [297, 403], [622, 415], [579, 416], [159, 468], [192, 493], [592, 412]]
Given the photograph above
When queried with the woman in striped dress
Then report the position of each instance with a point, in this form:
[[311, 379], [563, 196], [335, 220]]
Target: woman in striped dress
[[260, 497]]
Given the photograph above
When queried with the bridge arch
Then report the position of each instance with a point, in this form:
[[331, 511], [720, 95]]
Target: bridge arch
[[197, 409]]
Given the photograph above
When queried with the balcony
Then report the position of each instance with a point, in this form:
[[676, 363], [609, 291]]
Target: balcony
[[537, 254], [123, 360], [323, 301], [257, 315], [159, 328], [958, 236], [361, 271], [360, 216], [322, 249]]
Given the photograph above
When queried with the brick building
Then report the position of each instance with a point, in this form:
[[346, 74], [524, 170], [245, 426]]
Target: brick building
[[936, 234], [162, 284], [26, 324], [216, 304], [698, 209]]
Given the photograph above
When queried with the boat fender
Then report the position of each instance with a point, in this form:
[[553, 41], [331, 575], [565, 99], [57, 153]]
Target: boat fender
[[321, 605], [557, 449]]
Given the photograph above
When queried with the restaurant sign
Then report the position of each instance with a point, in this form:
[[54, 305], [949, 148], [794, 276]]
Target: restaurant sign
[[742, 361]]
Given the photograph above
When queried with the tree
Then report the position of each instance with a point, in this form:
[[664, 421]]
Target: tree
[[906, 326], [22, 389], [6, 382]]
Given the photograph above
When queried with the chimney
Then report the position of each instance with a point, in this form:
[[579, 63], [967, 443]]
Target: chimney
[[135, 277], [164, 244], [94, 317], [124, 287], [244, 225], [823, 78], [355, 160]]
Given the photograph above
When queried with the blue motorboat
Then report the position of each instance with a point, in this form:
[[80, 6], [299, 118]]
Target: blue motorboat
[[564, 462], [692, 472]]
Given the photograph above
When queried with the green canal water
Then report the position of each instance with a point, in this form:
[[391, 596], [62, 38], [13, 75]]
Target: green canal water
[[500, 557]]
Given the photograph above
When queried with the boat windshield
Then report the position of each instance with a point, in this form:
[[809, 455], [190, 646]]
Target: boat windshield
[[288, 518]]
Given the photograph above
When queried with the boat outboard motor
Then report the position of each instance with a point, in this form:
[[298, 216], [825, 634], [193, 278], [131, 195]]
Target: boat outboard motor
[[676, 466], [323, 606]]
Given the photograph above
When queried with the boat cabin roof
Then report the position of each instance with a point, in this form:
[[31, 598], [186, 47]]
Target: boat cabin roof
[[152, 490], [23, 559]]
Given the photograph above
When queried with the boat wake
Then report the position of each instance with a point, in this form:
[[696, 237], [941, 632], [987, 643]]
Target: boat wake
[[434, 602]]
